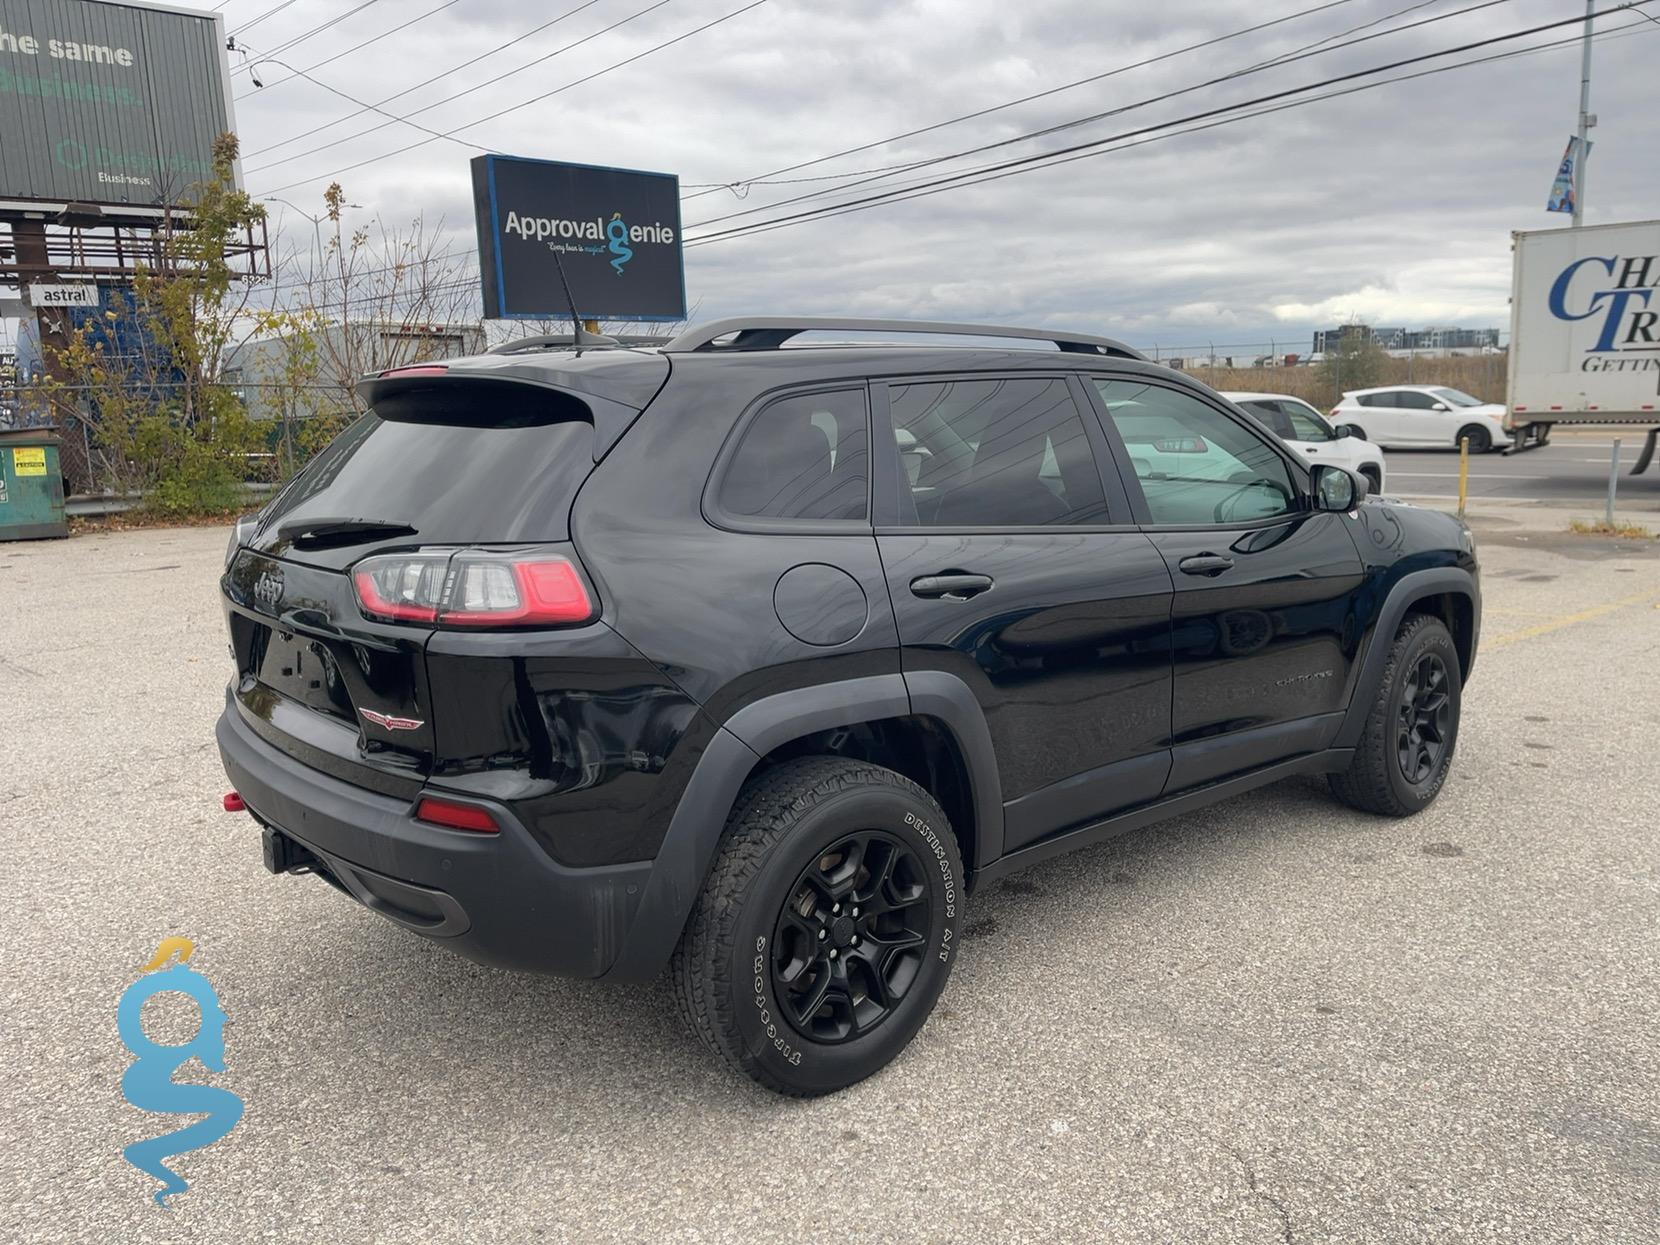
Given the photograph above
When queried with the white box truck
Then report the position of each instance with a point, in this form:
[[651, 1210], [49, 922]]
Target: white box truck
[[1585, 331]]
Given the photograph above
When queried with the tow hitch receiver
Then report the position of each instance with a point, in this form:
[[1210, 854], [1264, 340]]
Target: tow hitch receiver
[[284, 855]]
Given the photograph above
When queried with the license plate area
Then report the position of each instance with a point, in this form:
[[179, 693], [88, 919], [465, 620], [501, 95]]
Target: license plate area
[[302, 669]]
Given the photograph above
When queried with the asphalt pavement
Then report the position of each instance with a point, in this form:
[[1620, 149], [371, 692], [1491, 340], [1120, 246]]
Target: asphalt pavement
[[1275, 1020], [1571, 470]]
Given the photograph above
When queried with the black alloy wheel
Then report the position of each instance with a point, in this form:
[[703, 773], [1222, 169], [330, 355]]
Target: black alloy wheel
[[1405, 750], [827, 927], [849, 942], [1426, 708]]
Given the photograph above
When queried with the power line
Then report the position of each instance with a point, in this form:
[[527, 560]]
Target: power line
[[667, 43], [1352, 30], [1113, 112], [1025, 99], [268, 13], [996, 171], [328, 125], [271, 60], [764, 227], [357, 47], [310, 34]]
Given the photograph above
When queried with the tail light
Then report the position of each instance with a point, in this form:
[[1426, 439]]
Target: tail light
[[1333, 413], [474, 589]]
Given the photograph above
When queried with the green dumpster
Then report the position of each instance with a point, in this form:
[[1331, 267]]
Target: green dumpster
[[31, 486]]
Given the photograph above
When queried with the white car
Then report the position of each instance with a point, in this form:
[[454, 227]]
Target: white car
[[1305, 430], [1398, 416]]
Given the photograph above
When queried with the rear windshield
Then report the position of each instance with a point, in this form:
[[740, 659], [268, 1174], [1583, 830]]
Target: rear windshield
[[460, 482]]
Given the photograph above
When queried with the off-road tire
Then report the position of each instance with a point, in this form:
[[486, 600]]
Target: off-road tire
[[1375, 781], [784, 821], [1480, 439]]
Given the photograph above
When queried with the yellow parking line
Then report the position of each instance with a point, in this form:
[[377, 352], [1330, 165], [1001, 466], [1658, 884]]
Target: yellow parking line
[[1569, 620]]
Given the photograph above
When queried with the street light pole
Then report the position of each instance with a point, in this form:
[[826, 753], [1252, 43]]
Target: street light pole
[[1586, 120]]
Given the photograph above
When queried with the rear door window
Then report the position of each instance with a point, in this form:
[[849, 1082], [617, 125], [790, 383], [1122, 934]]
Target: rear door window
[[1009, 452], [805, 457], [1273, 414], [1306, 423]]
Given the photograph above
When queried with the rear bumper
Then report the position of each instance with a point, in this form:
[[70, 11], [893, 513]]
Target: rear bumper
[[495, 898]]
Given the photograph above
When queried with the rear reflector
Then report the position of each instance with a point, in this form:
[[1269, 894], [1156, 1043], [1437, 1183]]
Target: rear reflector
[[456, 816], [234, 803]]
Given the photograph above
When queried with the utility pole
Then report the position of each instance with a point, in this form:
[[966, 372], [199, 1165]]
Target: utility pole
[[1586, 120]]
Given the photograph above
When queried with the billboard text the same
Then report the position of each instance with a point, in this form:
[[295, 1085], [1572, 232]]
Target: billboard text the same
[[108, 103]]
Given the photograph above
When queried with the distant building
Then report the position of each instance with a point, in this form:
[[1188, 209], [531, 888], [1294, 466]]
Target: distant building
[[1417, 341], [345, 353]]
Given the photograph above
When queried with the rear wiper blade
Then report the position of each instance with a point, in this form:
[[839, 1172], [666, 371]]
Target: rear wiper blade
[[340, 531]]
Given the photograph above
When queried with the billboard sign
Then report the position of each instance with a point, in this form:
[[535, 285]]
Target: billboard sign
[[615, 232], [106, 102]]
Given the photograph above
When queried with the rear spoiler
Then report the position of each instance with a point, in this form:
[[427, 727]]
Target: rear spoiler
[[401, 392]]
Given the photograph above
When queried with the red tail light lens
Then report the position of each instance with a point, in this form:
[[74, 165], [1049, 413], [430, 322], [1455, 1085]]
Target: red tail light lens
[[422, 369], [456, 816], [474, 589], [490, 594], [401, 588]]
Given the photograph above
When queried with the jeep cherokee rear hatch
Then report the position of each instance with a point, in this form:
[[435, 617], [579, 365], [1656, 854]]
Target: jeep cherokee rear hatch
[[446, 506]]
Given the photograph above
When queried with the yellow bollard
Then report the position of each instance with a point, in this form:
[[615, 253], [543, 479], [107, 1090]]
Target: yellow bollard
[[1463, 473]]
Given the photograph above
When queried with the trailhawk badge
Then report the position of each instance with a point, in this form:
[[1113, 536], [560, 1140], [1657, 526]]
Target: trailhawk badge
[[391, 722]]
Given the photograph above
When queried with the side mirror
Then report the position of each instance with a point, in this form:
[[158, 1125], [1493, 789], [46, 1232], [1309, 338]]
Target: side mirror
[[1439, 406], [1336, 488], [1344, 430]]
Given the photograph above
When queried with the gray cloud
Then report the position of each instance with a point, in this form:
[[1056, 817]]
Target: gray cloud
[[1393, 204]]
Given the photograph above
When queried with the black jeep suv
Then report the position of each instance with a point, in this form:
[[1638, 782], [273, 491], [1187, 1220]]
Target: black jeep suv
[[755, 659]]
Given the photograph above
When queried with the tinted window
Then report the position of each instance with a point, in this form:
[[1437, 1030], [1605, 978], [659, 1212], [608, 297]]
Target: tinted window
[[994, 453], [1272, 414], [802, 457], [1306, 423], [1377, 399], [1409, 400], [453, 482], [1196, 466]]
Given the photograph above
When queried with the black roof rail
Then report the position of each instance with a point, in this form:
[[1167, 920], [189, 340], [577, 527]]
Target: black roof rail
[[771, 332]]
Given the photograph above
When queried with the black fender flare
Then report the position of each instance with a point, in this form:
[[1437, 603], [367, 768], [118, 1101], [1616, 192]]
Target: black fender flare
[[1409, 588], [682, 863]]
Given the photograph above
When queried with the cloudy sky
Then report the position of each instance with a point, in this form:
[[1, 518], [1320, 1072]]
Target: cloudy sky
[[1392, 204]]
